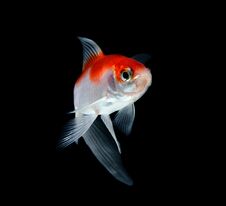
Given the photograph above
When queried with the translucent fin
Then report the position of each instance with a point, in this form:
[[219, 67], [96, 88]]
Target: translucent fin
[[90, 50], [124, 119], [107, 121], [74, 129], [71, 112], [143, 58], [104, 148]]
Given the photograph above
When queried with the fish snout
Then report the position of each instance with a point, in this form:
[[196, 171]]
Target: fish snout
[[143, 80]]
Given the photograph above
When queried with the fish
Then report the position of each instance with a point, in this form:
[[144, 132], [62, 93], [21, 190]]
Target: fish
[[109, 83]]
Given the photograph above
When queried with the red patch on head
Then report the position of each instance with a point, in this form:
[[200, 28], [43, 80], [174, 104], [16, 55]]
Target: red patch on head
[[103, 65], [116, 63], [125, 63]]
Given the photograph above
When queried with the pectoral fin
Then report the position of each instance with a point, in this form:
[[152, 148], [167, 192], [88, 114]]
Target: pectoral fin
[[143, 57], [108, 123], [74, 129], [104, 148], [124, 119]]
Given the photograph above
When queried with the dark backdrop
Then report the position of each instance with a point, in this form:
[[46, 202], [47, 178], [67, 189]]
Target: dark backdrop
[[160, 153]]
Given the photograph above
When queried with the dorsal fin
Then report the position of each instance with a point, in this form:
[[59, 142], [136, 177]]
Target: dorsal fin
[[91, 51]]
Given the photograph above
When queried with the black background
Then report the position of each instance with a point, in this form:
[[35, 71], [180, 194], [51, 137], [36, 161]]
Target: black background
[[161, 154]]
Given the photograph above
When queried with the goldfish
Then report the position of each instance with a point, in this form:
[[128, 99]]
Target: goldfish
[[107, 84]]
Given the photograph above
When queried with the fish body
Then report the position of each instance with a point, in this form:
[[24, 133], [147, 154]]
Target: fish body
[[108, 83]]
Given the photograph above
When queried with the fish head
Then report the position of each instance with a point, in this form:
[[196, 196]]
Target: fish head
[[132, 78]]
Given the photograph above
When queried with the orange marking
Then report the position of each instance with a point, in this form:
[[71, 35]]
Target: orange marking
[[87, 65], [103, 63]]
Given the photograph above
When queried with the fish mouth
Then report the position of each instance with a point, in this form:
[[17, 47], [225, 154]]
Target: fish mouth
[[143, 81]]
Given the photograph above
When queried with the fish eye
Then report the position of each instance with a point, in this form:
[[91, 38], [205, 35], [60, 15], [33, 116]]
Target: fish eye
[[126, 74]]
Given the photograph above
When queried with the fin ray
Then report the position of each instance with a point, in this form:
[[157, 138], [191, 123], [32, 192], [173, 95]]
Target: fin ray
[[124, 119], [104, 148], [90, 50], [74, 129], [108, 123]]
